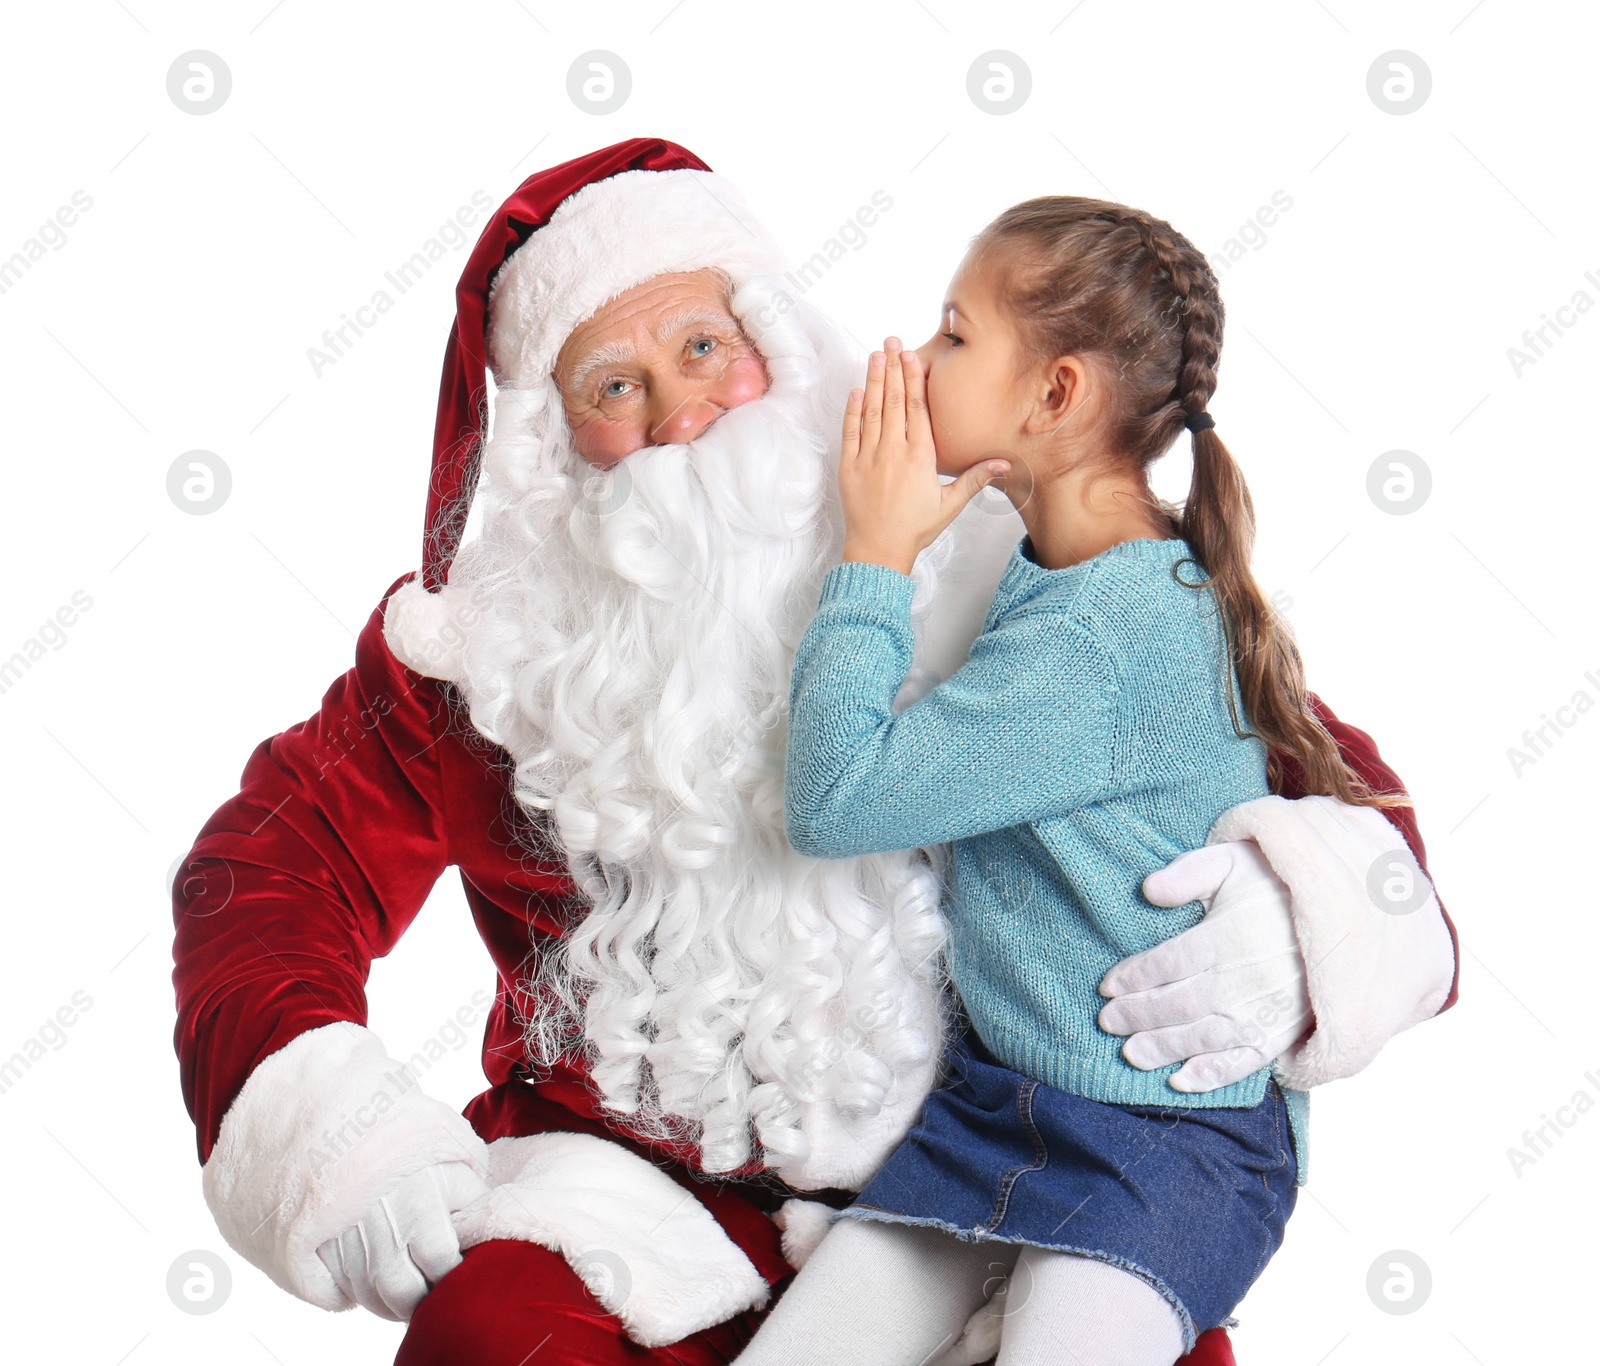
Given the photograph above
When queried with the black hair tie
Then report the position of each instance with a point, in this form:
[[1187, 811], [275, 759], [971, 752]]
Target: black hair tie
[[1200, 422]]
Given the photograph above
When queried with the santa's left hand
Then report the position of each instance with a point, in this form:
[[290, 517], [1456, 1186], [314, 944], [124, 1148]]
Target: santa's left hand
[[1226, 997]]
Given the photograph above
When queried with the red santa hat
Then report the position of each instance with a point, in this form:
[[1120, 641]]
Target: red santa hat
[[569, 239]]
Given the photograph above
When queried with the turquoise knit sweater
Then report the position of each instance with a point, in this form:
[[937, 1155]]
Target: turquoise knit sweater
[[1086, 743]]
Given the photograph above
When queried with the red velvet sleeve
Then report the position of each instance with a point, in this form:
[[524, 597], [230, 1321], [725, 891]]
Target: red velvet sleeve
[[315, 868], [1361, 754]]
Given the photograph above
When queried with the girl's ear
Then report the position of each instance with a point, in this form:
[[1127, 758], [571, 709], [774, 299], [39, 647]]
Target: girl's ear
[[1061, 391]]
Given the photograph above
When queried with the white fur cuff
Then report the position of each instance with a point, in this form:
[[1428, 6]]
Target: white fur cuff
[[316, 1131], [1378, 954], [650, 1252]]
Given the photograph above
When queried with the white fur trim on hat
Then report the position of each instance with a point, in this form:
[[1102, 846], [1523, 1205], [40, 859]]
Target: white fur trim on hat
[[1373, 969], [605, 239], [650, 1252]]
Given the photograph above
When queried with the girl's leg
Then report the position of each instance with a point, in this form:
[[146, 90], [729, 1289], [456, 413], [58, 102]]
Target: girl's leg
[[1064, 1310], [878, 1294]]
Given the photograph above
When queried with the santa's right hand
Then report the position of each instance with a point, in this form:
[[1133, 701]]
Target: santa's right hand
[[405, 1241]]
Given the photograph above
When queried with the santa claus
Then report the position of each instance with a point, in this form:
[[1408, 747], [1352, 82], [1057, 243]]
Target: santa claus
[[700, 1041]]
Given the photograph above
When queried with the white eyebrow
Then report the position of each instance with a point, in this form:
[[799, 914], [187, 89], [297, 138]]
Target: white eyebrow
[[607, 353], [691, 317]]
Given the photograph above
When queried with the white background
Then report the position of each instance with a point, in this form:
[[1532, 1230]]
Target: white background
[[1376, 316]]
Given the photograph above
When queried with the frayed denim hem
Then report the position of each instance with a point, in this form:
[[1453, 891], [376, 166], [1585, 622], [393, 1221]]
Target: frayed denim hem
[[871, 1213]]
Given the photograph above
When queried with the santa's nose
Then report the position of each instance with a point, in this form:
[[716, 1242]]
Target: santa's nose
[[682, 416]]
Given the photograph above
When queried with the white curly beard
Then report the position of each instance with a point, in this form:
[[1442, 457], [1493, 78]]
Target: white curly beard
[[634, 660]]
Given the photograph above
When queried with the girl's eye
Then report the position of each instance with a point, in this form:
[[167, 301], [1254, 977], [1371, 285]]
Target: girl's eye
[[954, 340]]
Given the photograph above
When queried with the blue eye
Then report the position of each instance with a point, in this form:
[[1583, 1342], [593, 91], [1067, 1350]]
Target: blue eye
[[614, 388], [709, 343]]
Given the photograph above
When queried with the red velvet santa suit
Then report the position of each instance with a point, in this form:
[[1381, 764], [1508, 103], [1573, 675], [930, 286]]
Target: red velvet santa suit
[[342, 826]]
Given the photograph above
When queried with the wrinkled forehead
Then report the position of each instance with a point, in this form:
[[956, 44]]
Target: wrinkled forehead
[[656, 313]]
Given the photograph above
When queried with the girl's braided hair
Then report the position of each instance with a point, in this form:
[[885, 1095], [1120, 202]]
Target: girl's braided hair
[[1092, 278]]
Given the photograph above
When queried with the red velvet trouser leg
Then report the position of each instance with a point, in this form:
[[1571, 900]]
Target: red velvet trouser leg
[[518, 1304], [1212, 1349]]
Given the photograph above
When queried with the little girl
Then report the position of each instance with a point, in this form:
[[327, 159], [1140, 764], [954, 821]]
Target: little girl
[[1128, 687]]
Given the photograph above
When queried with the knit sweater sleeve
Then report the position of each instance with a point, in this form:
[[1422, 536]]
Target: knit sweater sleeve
[[1022, 731]]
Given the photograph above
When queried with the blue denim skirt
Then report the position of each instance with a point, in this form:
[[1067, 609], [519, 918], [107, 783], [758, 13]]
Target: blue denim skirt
[[1194, 1201]]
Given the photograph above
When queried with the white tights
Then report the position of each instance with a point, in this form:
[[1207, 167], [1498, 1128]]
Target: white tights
[[880, 1294]]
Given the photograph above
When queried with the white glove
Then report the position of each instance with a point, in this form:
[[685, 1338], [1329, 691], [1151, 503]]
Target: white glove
[[405, 1240], [1228, 995]]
